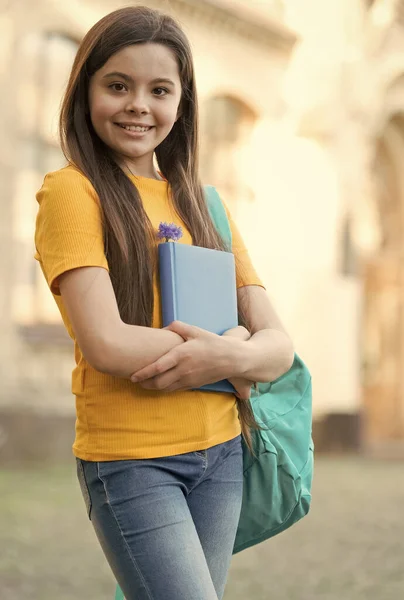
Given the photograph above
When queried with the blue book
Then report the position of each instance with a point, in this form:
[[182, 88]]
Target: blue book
[[198, 287]]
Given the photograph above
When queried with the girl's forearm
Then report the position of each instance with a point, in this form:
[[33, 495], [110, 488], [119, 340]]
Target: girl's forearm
[[129, 348], [267, 355]]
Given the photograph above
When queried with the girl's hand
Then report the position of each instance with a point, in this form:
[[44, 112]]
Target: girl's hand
[[242, 387], [204, 358]]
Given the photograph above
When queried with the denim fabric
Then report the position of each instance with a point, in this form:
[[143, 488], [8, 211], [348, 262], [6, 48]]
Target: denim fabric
[[167, 525]]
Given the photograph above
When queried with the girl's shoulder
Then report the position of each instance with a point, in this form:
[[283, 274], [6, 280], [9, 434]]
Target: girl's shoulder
[[66, 173], [68, 181]]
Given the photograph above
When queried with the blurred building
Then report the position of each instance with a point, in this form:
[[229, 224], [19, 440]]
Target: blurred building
[[345, 91], [302, 132]]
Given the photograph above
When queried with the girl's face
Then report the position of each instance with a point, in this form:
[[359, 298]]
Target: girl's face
[[134, 100]]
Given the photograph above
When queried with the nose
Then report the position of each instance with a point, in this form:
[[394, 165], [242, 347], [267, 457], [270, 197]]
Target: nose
[[138, 104]]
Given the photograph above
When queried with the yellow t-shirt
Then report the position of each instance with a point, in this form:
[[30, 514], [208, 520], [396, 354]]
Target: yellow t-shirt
[[117, 419]]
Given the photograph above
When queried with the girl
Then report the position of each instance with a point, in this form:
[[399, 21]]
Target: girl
[[159, 465]]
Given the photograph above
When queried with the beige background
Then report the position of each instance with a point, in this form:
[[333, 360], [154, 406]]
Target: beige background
[[302, 132]]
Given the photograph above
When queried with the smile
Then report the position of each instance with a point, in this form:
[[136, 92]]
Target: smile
[[134, 128]]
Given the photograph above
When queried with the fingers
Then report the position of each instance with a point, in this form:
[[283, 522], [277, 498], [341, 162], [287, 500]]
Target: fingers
[[160, 366], [183, 329], [242, 387], [187, 331], [167, 382], [243, 394]]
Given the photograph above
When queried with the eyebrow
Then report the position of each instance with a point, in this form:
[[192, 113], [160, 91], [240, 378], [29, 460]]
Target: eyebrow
[[131, 80]]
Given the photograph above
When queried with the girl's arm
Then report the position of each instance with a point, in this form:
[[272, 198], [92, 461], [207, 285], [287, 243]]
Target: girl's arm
[[206, 357], [108, 344], [269, 352]]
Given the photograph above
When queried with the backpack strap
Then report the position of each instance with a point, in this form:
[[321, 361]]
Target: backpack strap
[[218, 215]]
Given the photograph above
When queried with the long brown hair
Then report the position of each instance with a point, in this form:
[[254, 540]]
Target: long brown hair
[[128, 233]]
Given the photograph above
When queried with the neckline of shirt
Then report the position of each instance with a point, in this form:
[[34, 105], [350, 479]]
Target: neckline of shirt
[[144, 179]]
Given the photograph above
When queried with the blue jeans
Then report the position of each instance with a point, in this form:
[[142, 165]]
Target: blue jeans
[[167, 525]]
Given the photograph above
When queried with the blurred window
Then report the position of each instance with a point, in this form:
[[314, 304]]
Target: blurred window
[[227, 125], [47, 59]]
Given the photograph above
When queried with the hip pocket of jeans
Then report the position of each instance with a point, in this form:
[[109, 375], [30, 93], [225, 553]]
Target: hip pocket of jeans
[[83, 486]]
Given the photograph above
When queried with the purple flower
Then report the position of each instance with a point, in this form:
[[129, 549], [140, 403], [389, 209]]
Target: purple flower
[[170, 232]]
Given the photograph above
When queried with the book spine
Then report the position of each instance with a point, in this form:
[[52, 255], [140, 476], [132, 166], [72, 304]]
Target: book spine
[[167, 282]]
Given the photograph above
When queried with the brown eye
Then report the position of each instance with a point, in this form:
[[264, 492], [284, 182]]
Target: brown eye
[[114, 85], [160, 91]]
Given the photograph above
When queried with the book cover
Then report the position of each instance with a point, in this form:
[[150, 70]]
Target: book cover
[[198, 287]]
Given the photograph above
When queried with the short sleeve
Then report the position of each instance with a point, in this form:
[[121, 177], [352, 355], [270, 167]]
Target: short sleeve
[[245, 272], [69, 230]]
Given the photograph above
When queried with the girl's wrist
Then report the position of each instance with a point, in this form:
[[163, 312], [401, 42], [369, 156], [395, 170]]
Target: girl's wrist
[[268, 354], [238, 357]]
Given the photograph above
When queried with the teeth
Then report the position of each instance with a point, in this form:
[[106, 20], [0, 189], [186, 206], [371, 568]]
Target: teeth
[[135, 128]]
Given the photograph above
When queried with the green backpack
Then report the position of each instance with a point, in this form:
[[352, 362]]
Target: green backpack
[[278, 479]]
